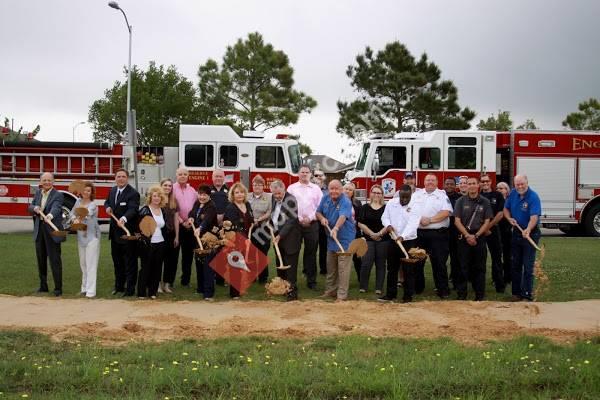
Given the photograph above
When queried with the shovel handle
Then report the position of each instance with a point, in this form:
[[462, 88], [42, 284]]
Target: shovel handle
[[197, 237], [535, 246], [336, 240], [117, 221], [48, 221], [276, 245], [399, 243]]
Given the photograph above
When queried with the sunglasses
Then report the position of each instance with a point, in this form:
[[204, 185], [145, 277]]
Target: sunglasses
[[486, 181], [318, 176]]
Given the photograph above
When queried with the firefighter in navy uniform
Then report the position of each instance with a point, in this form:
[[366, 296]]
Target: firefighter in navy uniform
[[492, 236], [453, 195], [472, 216]]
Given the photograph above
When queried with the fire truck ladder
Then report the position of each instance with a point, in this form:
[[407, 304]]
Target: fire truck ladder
[[92, 166]]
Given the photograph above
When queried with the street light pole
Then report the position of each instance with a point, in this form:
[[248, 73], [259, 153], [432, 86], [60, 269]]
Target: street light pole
[[131, 136], [75, 127]]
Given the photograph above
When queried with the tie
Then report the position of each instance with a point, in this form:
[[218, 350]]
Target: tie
[[119, 191]]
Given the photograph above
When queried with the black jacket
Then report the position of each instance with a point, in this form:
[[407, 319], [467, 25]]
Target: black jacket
[[128, 206], [145, 211], [205, 218], [233, 214], [288, 226]]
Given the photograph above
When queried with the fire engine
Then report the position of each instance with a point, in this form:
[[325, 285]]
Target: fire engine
[[563, 167], [201, 150]]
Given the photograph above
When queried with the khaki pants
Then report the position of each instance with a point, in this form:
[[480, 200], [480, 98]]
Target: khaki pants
[[338, 275]]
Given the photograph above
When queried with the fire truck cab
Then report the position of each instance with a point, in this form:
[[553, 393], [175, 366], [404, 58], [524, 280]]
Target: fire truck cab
[[203, 148], [563, 167]]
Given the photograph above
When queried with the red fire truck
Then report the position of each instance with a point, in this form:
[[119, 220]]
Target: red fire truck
[[563, 167], [201, 150]]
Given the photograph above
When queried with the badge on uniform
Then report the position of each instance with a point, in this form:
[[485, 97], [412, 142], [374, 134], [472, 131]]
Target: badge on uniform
[[524, 206], [494, 200], [122, 203]]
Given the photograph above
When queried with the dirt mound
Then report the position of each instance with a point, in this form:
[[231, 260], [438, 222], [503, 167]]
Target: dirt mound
[[119, 321]]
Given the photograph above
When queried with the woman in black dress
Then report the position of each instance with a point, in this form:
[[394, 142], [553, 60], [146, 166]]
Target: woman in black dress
[[204, 217], [369, 221]]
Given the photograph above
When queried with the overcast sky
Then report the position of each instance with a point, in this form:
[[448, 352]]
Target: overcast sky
[[537, 59]]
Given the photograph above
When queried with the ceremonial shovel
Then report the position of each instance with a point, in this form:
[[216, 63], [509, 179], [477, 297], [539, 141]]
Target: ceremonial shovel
[[408, 259], [281, 266], [200, 251], [529, 239], [342, 252], [147, 226], [56, 232], [80, 213], [128, 235]]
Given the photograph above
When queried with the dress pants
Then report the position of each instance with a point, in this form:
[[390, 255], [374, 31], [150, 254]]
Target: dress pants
[[523, 259], [322, 250], [472, 268], [88, 262], [310, 236], [171, 259], [150, 268], [124, 256], [453, 248], [435, 242], [377, 252], [46, 248], [394, 264], [205, 275], [338, 275], [495, 247], [188, 244], [263, 244]]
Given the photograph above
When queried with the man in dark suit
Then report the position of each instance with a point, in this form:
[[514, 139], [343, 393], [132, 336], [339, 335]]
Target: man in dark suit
[[288, 236], [124, 203], [47, 201]]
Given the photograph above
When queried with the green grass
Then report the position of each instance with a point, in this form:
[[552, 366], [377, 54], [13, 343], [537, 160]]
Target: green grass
[[355, 367], [571, 265]]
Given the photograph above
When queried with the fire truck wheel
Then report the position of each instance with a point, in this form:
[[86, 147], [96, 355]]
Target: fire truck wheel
[[592, 221]]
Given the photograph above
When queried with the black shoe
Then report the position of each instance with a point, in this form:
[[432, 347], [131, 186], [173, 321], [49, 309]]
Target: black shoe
[[127, 294], [386, 299], [42, 290], [407, 299], [292, 296], [478, 298], [443, 294], [57, 292], [461, 296]]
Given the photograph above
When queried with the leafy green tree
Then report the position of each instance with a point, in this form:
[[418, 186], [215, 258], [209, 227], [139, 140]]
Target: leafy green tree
[[500, 123], [528, 124], [253, 89], [163, 99], [588, 117], [398, 93]]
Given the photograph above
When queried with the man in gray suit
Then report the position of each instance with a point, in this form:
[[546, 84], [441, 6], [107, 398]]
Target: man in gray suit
[[284, 217], [48, 201]]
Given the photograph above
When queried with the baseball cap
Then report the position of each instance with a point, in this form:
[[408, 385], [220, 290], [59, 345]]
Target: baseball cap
[[408, 174]]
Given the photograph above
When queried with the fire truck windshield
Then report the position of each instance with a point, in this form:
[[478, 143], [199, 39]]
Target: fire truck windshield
[[295, 157], [362, 159]]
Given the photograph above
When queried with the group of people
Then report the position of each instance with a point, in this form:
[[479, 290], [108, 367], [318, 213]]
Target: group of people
[[307, 216]]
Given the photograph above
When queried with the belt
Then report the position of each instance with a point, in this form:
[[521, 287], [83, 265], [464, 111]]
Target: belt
[[433, 230]]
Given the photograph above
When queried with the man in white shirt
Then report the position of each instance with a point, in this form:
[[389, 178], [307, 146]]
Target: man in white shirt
[[435, 209], [402, 217]]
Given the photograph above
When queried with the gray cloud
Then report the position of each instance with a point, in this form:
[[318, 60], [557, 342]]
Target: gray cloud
[[538, 59]]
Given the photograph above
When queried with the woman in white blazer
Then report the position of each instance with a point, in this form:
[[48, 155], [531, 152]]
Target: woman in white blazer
[[88, 241]]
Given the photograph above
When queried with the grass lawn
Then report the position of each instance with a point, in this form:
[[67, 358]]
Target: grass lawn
[[355, 367], [571, 265]]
